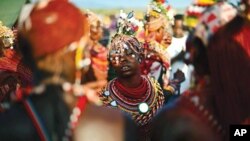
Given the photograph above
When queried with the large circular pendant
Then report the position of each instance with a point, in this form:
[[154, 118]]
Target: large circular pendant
[[143, 107]]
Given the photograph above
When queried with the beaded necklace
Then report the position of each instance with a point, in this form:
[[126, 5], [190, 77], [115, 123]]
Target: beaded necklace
[[142, 109], [136, 93]]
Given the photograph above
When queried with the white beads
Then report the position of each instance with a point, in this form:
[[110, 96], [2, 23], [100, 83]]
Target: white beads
[[76, 111], [113, 103], [73, 118], [106, 93], [66, 86]]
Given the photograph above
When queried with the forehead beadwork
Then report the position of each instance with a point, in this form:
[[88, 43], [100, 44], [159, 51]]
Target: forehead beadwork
[[124, 42]]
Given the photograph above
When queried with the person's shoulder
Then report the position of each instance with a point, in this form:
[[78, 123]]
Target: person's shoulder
[[150, 78], [155, 84], [109, 120], [231, 28], [106, 87], [185, 35]]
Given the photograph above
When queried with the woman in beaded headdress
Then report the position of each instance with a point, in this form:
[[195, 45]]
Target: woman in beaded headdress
[[6, 61], [12, 70], [88, 120], [138, 95], [97, 71], [156, 39]]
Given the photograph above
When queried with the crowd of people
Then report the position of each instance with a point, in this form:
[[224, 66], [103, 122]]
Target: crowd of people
[[63, 79]]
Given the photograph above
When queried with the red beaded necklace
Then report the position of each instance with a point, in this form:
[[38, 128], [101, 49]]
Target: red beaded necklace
[[136, 92]]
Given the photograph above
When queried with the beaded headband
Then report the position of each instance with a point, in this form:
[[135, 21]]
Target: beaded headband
[[124, 40], [158, 11]]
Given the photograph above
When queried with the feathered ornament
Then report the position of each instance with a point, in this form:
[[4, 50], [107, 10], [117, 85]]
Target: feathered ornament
[[159, 1], [127, 24], [157, 8]]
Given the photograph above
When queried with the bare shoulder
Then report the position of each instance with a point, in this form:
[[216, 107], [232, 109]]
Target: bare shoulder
[[101, 123]]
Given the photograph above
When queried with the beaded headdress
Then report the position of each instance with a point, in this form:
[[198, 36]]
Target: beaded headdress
[[158, 11], [124, 39], [212, 19], [93, 18], [156, 8], [6, 36], [127, 24], [49, 27]]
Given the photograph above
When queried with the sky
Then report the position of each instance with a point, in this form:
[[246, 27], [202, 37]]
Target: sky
[[126, 3]]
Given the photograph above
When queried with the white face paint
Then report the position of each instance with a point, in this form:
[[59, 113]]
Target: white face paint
[[118, 51], [117, 60]]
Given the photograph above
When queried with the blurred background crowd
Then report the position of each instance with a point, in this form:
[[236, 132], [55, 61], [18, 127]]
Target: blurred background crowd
[[125, 70]]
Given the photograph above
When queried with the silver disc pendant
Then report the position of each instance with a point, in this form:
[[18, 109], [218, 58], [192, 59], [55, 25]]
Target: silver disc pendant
[[143, 107]]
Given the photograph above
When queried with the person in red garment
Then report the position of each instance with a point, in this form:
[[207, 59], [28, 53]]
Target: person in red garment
[[13, 72], [97, 54], [50, 39], [220, 54], [7, 61], [229, 60], [156, 40]]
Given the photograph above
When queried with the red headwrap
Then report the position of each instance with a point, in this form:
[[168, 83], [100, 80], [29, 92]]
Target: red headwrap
[[53, 25]]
